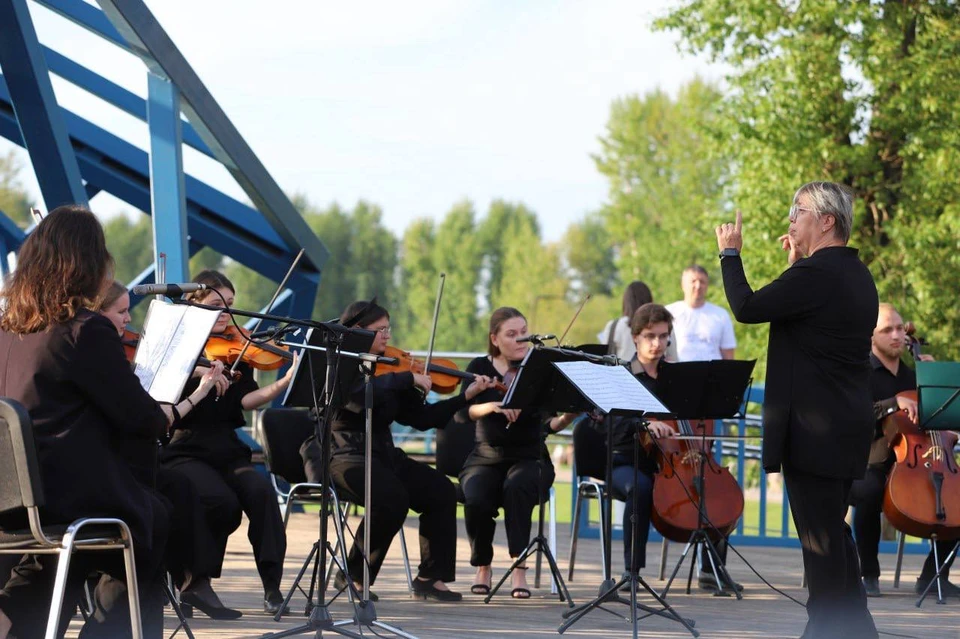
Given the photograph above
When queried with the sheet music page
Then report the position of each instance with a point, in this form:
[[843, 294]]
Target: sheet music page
[[610, 387], [172, 338]]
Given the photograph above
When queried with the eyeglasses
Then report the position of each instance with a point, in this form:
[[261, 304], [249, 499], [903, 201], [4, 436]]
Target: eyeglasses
[[383, 330], [653, 337], [795, 212]]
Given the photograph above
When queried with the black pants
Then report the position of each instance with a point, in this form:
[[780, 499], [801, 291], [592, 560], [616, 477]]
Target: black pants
[[866, 496], [625, 482], [25, 598], [516, 485], [837, 603], [239, 487], [398, 485]]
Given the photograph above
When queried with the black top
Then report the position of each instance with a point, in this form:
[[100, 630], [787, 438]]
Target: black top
[[625, 428], [209, 431], [818, 409], [523, 439], [885, 385], [394, 400], [83, 399]]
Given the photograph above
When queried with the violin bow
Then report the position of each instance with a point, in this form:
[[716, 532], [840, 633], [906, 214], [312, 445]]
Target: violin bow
[[436, 319], [575, 316], [270, 304], [37, 214]]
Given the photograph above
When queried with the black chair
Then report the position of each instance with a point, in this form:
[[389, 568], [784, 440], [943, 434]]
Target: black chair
[[21, 495], [590, 464], [284, 430]]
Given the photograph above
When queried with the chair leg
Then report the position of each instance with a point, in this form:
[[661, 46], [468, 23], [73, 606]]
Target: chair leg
[[177, 610], [575, 534], [901, 538], [59, 588], [286, 511], [604, 549], [406, 559], [133, 593], [664, 549], [553, 534]]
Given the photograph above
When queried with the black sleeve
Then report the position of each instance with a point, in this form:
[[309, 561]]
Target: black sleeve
[[382, 384], [884, 407], [425, 415], [100, 368], [795, 293]]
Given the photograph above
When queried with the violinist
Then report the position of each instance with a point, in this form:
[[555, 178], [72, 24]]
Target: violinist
[[65, 364], [205, 447], [889, 376], [399, 484], [196, 527], [509, 465]]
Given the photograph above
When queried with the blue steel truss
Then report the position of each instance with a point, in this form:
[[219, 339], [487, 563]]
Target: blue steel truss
[[75, 159]]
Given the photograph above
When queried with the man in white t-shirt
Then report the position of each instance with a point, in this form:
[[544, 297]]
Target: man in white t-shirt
[[704, 330]]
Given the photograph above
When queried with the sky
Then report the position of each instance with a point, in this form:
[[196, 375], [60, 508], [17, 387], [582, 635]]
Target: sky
[[413, 106]]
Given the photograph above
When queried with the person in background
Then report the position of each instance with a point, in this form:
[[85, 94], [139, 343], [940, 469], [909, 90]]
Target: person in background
[[616, 334], [703, 330]]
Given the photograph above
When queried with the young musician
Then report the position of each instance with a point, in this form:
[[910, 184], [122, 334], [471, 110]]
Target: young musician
[[398, 483], [193, 549], [889, 376], [509, 465], [65, 364], [650, 326], [206, 448]]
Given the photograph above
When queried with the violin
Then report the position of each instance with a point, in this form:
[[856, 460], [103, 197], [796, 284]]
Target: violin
[[231, 345], [678, 493], [922, 495], [131, 339], [444, 374]]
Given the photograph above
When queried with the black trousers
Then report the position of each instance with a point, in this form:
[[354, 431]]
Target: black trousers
[[398, 485], [866, 496], [837, 603], [25, 598], [487, 485], [223, 494]]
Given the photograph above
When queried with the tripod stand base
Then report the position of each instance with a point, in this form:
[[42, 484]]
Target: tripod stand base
[[697, 540], [539, 544], [610, 593]]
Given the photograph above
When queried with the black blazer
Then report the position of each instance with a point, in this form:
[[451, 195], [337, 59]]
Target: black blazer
[[817, 409], [89, 414]]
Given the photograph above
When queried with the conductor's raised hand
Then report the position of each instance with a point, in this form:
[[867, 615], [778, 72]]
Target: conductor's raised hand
[[731, 235]]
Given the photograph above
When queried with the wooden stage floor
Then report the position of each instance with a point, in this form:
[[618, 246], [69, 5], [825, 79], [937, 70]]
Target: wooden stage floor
[[761, 614]]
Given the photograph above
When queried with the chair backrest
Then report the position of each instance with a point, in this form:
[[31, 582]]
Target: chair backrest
[[20, 485], [284, 431], [454, 444], [589, 450]]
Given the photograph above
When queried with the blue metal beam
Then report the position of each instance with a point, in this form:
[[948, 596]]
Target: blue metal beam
[[166, 177], [36, 109]]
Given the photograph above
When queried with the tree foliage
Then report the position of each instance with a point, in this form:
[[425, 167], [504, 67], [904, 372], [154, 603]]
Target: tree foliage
[[14, 200], [861, 93]]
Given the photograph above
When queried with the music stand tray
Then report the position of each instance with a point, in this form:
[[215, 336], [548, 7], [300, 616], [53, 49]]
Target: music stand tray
[[938, 386], [309, 374]]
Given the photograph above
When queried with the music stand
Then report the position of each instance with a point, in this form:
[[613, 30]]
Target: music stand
[[712, 389], [938, 386], [338, 342]]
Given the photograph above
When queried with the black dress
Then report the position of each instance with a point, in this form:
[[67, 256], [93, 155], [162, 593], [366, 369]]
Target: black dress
[[399, 484], [509, 467], [83, 400], [206, 448]]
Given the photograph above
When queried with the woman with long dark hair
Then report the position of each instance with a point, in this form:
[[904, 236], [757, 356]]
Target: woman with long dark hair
[[64, 362]]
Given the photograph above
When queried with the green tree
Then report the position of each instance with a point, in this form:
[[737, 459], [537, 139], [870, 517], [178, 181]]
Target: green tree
[[588, 253], [418, 283], [131, 245], [861, 93], [14, 200]]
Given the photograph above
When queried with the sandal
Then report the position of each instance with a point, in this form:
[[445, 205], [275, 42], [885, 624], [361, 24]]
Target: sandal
[[520, 593], [482, 588]]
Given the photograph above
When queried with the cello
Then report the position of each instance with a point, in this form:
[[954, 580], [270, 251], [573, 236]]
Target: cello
[[678, 492], [922, 495]]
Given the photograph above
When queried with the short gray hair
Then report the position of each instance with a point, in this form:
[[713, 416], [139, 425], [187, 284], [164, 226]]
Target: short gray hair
[[830, 198]]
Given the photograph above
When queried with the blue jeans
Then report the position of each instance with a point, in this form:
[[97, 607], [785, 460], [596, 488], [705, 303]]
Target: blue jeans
[[624, 481]]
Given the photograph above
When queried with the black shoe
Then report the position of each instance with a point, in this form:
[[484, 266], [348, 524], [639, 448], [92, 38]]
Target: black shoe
[[708, 582], [428, 590], [273, 601], [201, 596], [872, 586], [340, 584], [949, 589]]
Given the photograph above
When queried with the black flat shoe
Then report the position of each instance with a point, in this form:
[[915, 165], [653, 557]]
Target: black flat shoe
[[202, 597], [340, 584], [707, 582], [273, 601], [428, 590]]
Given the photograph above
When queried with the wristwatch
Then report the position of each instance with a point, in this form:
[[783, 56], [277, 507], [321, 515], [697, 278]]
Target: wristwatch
[[729, 252]]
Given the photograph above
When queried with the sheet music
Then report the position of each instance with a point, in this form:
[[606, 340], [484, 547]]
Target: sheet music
[[172, 338], [610, 387]]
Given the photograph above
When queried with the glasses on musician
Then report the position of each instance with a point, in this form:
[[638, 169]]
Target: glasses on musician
[[795, 212], [383, 330], [655, 337]]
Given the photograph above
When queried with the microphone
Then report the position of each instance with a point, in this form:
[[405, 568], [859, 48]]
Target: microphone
[[537, 339], [167, 290]]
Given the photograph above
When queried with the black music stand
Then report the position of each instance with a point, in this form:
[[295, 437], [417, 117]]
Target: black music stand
[[711, 389], [938, 387], [338, 343]]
